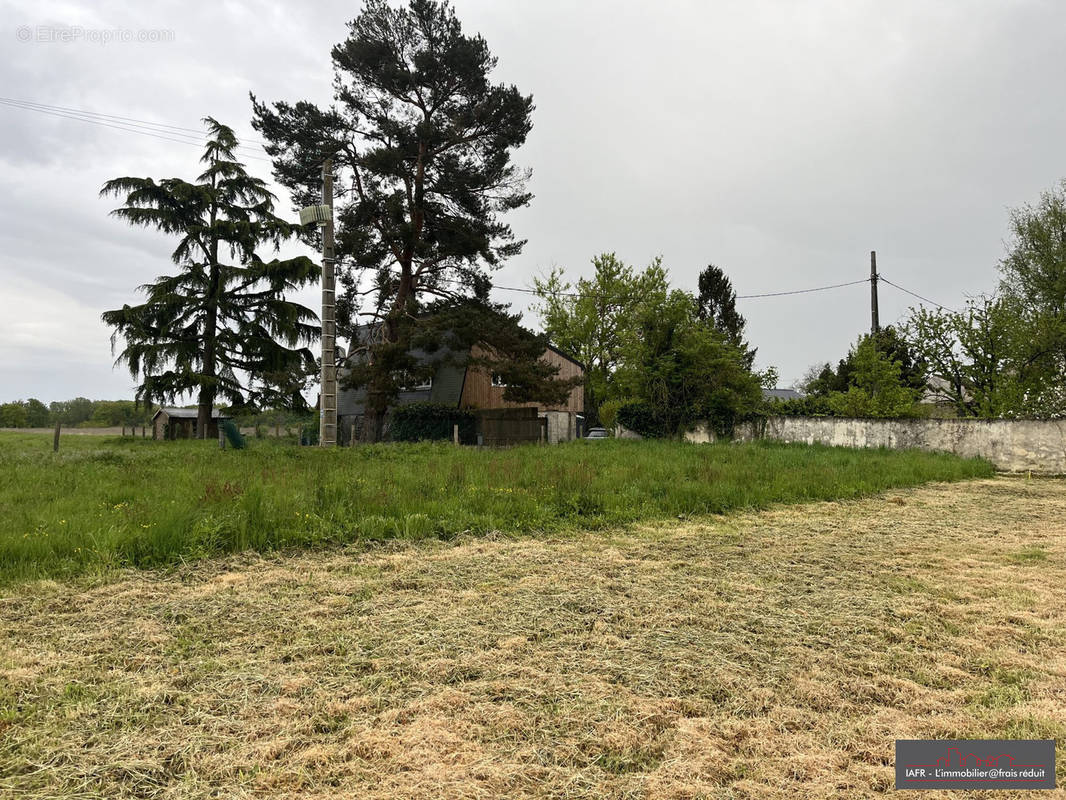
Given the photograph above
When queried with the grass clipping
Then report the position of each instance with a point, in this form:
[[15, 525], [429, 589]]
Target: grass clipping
[[776, 654]]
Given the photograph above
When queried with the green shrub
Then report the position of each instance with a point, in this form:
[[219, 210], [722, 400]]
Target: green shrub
[[432, 421], [809, 406], [609, 413]]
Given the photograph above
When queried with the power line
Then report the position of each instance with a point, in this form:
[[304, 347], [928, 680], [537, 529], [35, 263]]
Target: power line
[[880, 276], [85, 112], [739, 296], [802, 291], [535, 291], [94, 122], [914, 294], [128, 127], [169, 136], [131, 128]]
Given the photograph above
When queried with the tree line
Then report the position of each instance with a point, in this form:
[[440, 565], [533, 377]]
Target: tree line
[[33, 413], [656, 358], [85, 413], [422, 146], [1002, 355], [659, 359]]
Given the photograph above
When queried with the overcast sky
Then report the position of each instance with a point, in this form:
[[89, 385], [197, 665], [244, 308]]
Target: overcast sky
[[781, 141]]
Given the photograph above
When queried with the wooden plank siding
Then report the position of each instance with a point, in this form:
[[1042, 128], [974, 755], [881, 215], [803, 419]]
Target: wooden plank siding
[[478, 391]]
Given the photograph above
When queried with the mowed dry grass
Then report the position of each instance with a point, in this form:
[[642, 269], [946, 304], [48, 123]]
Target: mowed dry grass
[[767, 655]]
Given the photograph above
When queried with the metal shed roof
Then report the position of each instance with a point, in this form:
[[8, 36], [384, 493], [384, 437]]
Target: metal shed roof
[[187, 413]]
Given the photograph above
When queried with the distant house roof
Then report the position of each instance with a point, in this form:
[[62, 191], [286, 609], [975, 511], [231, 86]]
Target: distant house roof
[[187, 413], [780, 394]]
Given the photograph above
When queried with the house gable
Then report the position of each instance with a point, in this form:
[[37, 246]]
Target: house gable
[[479, 392]]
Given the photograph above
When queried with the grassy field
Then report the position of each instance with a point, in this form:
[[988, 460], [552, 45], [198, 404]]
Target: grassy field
[[105, 503], [775, 654]]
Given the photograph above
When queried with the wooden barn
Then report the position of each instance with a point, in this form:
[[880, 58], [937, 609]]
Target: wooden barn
[[180, 423]]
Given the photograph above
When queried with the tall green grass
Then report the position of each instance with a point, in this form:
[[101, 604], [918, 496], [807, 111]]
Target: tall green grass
[[101, 503]]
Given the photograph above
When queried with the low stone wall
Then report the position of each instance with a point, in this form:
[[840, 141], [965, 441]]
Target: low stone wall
[[1011, 445]]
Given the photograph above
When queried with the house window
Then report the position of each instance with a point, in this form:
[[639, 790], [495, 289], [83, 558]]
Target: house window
[[497, 380]]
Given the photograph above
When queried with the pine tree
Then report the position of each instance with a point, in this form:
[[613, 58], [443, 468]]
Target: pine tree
[[220, 323], [718, 306], [421, 141]]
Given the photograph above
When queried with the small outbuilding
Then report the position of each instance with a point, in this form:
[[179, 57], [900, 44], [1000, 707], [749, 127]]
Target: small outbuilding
[[180, 423]]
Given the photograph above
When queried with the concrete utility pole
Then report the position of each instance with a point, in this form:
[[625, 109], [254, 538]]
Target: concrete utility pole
[[327, 432], [875, 325]]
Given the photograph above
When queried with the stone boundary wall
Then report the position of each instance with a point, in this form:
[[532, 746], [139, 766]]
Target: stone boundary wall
[[1011, 445]]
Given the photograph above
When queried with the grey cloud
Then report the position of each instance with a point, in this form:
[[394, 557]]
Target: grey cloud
[[782, 141]]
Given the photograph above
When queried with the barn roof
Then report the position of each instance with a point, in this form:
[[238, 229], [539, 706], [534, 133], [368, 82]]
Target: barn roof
[[187, 413]]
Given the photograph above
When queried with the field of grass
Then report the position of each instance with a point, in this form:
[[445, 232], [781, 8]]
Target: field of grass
[[105, 503], [757, 656]]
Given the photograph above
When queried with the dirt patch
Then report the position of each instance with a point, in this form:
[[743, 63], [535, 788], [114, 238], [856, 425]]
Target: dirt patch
[[768, 655]]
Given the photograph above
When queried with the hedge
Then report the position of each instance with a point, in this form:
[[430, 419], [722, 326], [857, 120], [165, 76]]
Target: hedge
[[644, 419], [435, 421]]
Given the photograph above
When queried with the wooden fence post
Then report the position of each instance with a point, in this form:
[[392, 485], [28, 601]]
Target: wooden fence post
[[55, 438], [455, 434]]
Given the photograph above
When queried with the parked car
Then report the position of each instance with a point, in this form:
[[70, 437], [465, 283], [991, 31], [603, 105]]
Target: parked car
[[596, 433]]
